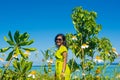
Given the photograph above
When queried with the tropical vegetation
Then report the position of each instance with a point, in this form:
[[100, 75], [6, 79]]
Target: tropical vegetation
[[85, 45]]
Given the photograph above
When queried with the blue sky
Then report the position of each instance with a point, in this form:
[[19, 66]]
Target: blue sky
[[43, 19]]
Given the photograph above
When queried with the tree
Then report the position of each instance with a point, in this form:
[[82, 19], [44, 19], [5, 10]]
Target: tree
[[85, 43], [18, 45]]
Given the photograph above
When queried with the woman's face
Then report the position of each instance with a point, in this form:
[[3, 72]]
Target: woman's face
[[59, 41]]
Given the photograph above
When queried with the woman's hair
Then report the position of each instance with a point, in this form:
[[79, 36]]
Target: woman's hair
[[63, 37]]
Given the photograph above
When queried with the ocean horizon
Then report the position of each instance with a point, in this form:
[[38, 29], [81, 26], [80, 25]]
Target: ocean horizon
[[109, 71]]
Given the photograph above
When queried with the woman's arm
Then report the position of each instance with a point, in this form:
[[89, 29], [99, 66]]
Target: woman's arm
[[64, 61]]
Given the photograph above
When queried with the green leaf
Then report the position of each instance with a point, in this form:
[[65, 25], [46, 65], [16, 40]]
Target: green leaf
[[9, 56], [17, 51], [24, 36], [4, 49], [30, 49], [16, 36], [15, 64], [73, 65], [45, 54], [22, 54], [22, 63], [18, 65], [45, 70], [24, 43], [10, 36], [29, 66], [30, 42], [8, 41], [24, 68], [5, 38]]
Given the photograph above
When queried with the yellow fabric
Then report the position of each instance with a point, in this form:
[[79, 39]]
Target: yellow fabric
[[59, 64]]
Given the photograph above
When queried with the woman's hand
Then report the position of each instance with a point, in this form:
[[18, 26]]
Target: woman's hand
[[62, 76]]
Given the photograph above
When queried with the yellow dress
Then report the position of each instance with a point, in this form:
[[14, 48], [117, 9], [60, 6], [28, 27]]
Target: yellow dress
[[59, 64]]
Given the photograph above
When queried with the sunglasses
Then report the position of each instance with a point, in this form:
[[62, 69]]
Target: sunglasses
[[59, 39]]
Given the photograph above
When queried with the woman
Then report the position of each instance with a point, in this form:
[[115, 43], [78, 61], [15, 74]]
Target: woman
[[62, 71]]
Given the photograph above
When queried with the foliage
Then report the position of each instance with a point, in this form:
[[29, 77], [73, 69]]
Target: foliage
[[21, 67], [17, 44], [48, 60], [85, 43], [73, 65]]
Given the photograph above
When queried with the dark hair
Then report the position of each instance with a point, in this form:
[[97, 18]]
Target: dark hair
[[63, 37]]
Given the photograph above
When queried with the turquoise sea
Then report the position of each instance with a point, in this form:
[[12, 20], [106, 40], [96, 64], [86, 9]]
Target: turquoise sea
[[109, 71]]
